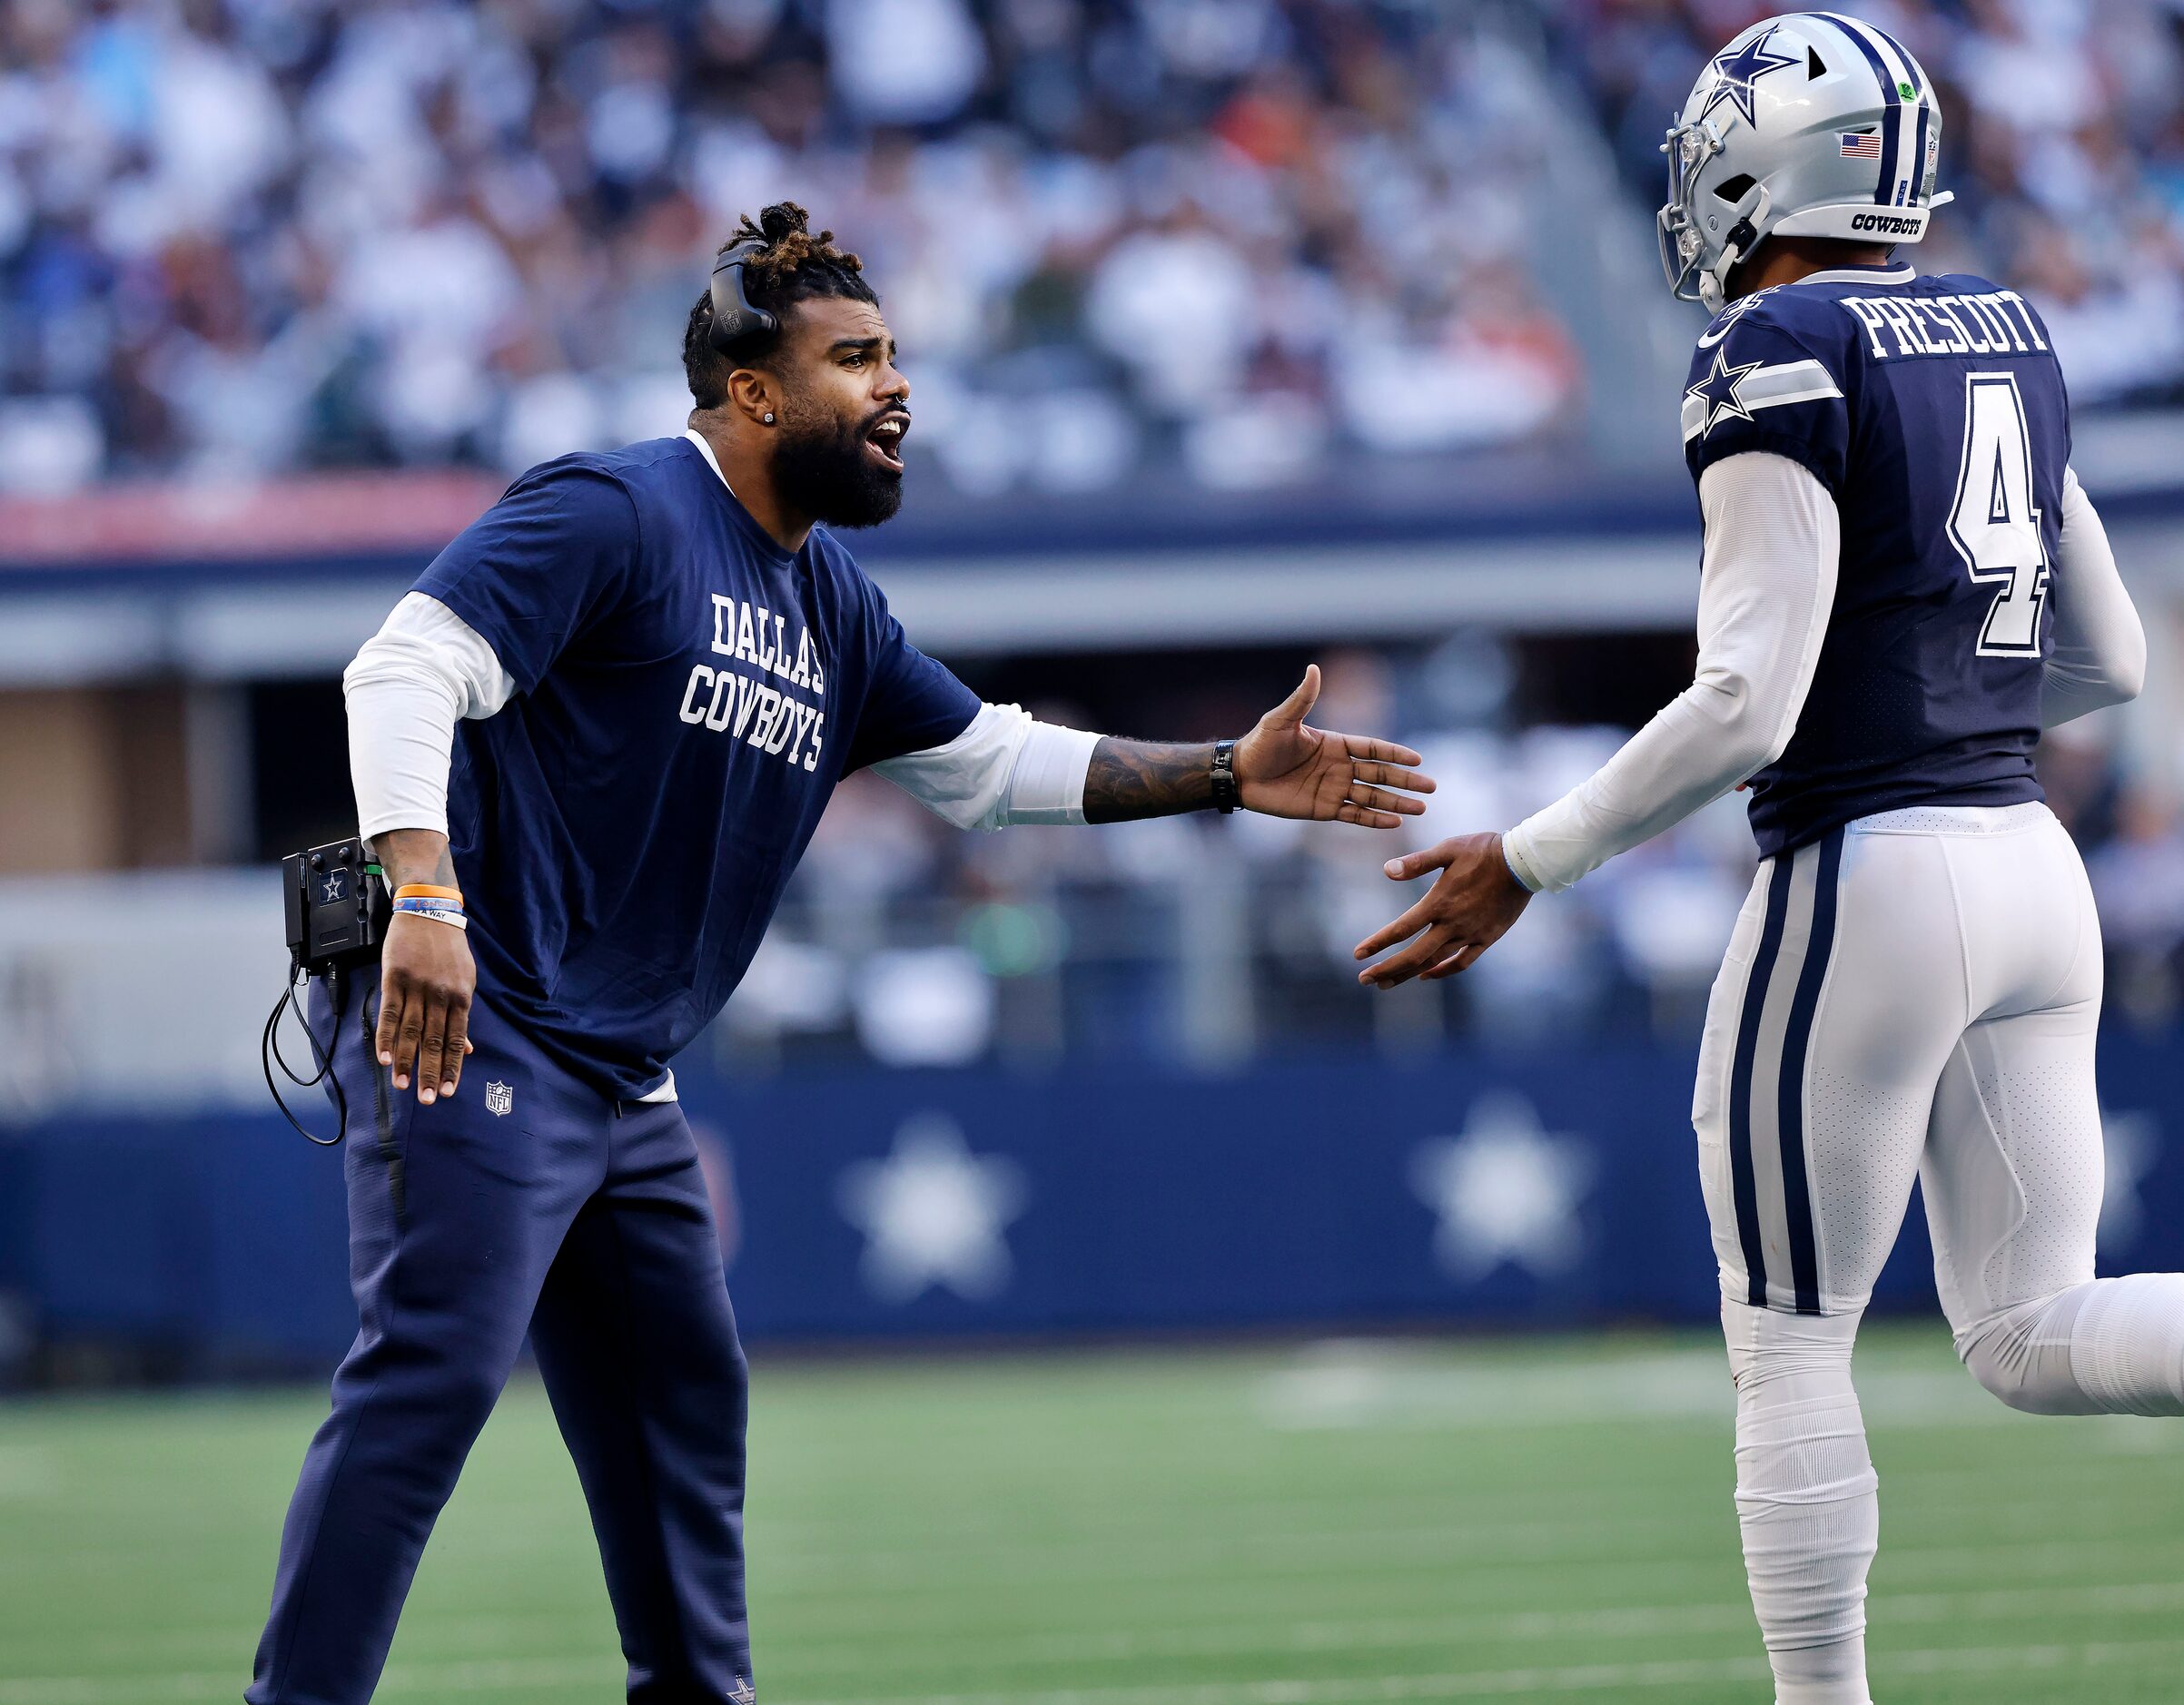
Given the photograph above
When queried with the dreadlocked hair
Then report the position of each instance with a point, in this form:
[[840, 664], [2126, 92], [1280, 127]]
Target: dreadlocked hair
[[794, 266]]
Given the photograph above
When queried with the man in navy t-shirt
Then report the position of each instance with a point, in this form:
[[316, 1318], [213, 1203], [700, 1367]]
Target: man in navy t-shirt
[[589, 748]]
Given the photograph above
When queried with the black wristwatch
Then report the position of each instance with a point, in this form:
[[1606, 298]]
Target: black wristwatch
[[1228, 792]]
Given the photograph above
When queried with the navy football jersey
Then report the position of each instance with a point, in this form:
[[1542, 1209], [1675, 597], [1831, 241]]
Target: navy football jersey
[[688, 694], [1934, 411]]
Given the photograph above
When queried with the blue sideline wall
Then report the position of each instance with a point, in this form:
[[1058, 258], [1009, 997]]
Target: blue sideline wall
[[1459, 1190]]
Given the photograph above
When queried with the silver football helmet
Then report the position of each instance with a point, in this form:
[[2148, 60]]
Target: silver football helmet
[[1810, 124]]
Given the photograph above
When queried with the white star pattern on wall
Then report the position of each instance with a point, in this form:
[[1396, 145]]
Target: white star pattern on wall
[[933, 1213], [1506, 1191]]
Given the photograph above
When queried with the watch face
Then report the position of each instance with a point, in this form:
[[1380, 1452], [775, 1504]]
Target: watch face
[[1225, 789]]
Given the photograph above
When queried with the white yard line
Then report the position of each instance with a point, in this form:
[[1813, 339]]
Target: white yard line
[[516, 1676], [889, 1650], [1242, 1639], [29, 1471], [1567, 1678], [1392, 1388], [429, 1680], [1455, 1547]]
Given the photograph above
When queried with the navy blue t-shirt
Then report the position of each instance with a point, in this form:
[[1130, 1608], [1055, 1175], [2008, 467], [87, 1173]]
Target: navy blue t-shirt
[[688, 694], [1934, 411]]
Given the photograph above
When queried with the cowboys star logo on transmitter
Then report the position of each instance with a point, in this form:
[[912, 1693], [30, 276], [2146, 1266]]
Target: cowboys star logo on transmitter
[[498, 1098]]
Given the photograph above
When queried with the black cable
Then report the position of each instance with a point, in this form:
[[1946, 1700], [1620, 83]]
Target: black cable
[[270, 1055]]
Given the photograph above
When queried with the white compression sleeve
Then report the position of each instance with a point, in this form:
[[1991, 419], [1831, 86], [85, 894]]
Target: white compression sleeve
[[1006, 767], [1807, 1498], [1766, 585], [2107, 1346], [2099, 651], [425, 669]]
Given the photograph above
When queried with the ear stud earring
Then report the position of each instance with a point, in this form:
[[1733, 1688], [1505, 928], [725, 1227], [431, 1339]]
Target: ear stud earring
[[769, 417]]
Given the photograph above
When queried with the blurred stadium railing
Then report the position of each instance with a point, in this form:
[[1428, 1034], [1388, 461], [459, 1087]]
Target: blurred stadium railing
[[1242, 332]]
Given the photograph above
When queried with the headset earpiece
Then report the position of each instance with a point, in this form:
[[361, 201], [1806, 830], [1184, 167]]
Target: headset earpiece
[[734, 320]]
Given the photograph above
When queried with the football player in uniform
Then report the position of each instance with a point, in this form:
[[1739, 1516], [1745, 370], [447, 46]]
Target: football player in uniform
[[1903, 585]]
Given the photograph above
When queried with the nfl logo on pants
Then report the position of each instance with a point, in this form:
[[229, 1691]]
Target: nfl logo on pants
[[498, 1098]]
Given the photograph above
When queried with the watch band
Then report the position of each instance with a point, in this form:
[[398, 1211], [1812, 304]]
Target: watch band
[[1228, 792]]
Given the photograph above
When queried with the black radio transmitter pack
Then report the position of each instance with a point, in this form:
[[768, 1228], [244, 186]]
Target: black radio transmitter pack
[[338, 907], [338, 912]]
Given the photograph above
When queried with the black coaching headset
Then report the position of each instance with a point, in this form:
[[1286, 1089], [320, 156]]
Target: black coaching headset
[[734, 320]]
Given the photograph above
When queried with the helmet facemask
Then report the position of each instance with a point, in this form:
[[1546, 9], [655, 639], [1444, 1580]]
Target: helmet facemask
[[1698, 266]]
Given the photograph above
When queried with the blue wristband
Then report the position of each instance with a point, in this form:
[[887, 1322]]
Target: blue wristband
[[1516, 875], [438, 910]]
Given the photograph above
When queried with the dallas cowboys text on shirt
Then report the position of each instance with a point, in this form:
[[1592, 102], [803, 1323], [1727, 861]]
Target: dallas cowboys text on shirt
[[1995, 322], [739, 703], [657, 635]]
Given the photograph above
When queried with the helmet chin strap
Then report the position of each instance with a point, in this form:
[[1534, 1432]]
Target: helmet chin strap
[[1744, 236]]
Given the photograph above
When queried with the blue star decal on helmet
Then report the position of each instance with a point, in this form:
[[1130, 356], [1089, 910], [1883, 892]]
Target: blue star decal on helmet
[[1738, 71], [1718, 391]]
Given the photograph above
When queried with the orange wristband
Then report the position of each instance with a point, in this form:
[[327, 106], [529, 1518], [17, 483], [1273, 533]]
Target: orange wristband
[[428, 890]]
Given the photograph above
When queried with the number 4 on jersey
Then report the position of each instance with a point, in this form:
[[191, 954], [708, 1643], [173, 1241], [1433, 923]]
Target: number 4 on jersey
[[1993, 523]]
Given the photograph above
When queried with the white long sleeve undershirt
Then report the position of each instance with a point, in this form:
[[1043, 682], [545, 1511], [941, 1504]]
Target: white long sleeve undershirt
[[2099, 656], [1767, 582], [424, 671], [1006, 767], [1767, 585], [426, 668]]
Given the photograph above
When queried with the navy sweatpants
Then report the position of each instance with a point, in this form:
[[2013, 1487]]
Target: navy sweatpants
[[528, 1202]]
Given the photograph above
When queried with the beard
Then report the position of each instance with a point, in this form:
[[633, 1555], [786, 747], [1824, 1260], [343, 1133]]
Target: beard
[[821, 469]]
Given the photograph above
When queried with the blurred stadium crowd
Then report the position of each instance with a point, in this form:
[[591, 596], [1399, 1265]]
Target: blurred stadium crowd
[[267, 234], [2064, 144], [256, 237], [252, 235]]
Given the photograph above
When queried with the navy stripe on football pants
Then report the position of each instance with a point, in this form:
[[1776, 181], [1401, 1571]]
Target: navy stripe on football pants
[[1770, 1179]]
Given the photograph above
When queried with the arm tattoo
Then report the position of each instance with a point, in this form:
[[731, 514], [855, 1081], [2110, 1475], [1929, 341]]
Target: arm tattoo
[[1130, 779], [414, 855]]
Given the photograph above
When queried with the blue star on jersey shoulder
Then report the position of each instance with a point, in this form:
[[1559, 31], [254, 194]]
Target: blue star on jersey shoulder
[[1719, 391], [1740, 70]]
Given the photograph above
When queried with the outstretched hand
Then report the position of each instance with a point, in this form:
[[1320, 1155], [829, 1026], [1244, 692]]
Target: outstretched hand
[[1285, 769], [1465, 913]]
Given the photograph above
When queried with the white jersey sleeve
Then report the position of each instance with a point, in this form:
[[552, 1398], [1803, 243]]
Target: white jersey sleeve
[[423, 671], [1006, 767], [1767, 583]]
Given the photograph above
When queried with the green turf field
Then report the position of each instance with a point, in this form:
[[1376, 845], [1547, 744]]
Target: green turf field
[[1336, 1522]]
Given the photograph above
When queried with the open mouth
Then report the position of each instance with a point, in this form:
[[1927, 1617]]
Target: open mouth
[[886, 439]]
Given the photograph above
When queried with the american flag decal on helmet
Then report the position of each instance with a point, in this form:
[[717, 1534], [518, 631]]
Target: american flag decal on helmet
[[1861, 144]]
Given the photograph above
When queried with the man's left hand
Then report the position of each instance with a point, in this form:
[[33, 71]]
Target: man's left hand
[[1464, 913], [1285, 769]]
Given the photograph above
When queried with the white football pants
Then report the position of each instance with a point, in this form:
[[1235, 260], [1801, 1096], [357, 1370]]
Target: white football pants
[[1915, 994]]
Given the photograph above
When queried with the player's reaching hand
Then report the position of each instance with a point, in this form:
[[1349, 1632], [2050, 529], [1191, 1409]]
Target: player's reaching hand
[[1464, 913], [1286, 769]]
